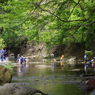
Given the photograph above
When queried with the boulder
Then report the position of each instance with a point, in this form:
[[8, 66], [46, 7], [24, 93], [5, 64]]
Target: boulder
[[18, 89], [88, 85], [93, 92], [91, 84], [5, 75], [71, 61]]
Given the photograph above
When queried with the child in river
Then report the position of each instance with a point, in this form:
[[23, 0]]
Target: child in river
[[62, 57], [52, 56]]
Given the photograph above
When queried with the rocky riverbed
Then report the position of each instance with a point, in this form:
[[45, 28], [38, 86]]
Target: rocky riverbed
[[81, 81]]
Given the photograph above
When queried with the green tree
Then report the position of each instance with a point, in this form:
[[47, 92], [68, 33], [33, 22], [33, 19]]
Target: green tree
[[48, 21]]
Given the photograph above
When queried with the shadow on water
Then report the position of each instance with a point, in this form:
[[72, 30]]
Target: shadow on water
[[51, 77]]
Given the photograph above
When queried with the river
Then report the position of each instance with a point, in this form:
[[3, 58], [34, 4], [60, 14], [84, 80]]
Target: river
[[50, 77]]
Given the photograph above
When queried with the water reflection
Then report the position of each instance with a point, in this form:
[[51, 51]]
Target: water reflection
[[62, 65], [21, 69], [88, 69], [38, 74], [85, 68], [52, 66], [94, 69]]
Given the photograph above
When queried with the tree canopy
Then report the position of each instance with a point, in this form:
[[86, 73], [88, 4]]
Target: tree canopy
[[53, 22]]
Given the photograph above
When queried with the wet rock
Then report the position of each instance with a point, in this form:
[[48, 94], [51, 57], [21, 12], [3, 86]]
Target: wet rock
[[5, 75], [88, 85], [86, 75], [93, 92], [18, 89], [91, 84], [71, 61]]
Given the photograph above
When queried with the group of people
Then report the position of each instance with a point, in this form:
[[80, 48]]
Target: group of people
[[3, 53], [52, 56], [89, 62], [22, 60]]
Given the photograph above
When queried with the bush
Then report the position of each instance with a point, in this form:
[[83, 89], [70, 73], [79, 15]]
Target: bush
[[89, 53], [8, 66]]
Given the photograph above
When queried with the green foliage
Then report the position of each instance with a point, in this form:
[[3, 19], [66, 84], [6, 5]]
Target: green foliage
[[2, 45], [89, 53], [3, 1], [9, 66], [53, 22]]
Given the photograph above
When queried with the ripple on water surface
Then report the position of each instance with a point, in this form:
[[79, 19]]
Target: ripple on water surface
[[51, 79]]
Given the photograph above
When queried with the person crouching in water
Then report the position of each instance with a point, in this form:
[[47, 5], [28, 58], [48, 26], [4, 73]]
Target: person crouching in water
[[90, 63], [21, 60]]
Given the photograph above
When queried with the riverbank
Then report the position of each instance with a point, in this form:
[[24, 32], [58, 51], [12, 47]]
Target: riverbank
[[69, 61]]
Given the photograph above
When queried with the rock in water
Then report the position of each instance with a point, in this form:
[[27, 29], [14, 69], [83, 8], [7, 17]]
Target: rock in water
[[5, 75], [18, 89]]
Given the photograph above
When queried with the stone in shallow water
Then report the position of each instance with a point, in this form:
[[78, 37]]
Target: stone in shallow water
[[18, 89], [91, 83], [88, 85]]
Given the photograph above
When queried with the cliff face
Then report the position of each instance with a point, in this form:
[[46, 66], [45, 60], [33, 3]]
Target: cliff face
[[38, 50], [41, 51], [70, 50]]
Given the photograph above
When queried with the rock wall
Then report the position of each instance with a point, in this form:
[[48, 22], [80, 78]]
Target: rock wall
[[40, 50], [35, 51], [73, 50], [5, 75]]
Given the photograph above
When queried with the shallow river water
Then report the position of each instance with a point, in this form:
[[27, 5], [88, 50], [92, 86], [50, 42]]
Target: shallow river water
[[51, 78]]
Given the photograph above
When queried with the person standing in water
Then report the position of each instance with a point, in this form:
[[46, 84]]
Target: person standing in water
[[62, 57], [52, 56], [2, 54], [85, 58], [18, 57], [21, 60]]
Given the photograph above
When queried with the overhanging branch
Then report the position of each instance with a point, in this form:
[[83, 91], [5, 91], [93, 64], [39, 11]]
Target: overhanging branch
[[38, 5], [87, 24]]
